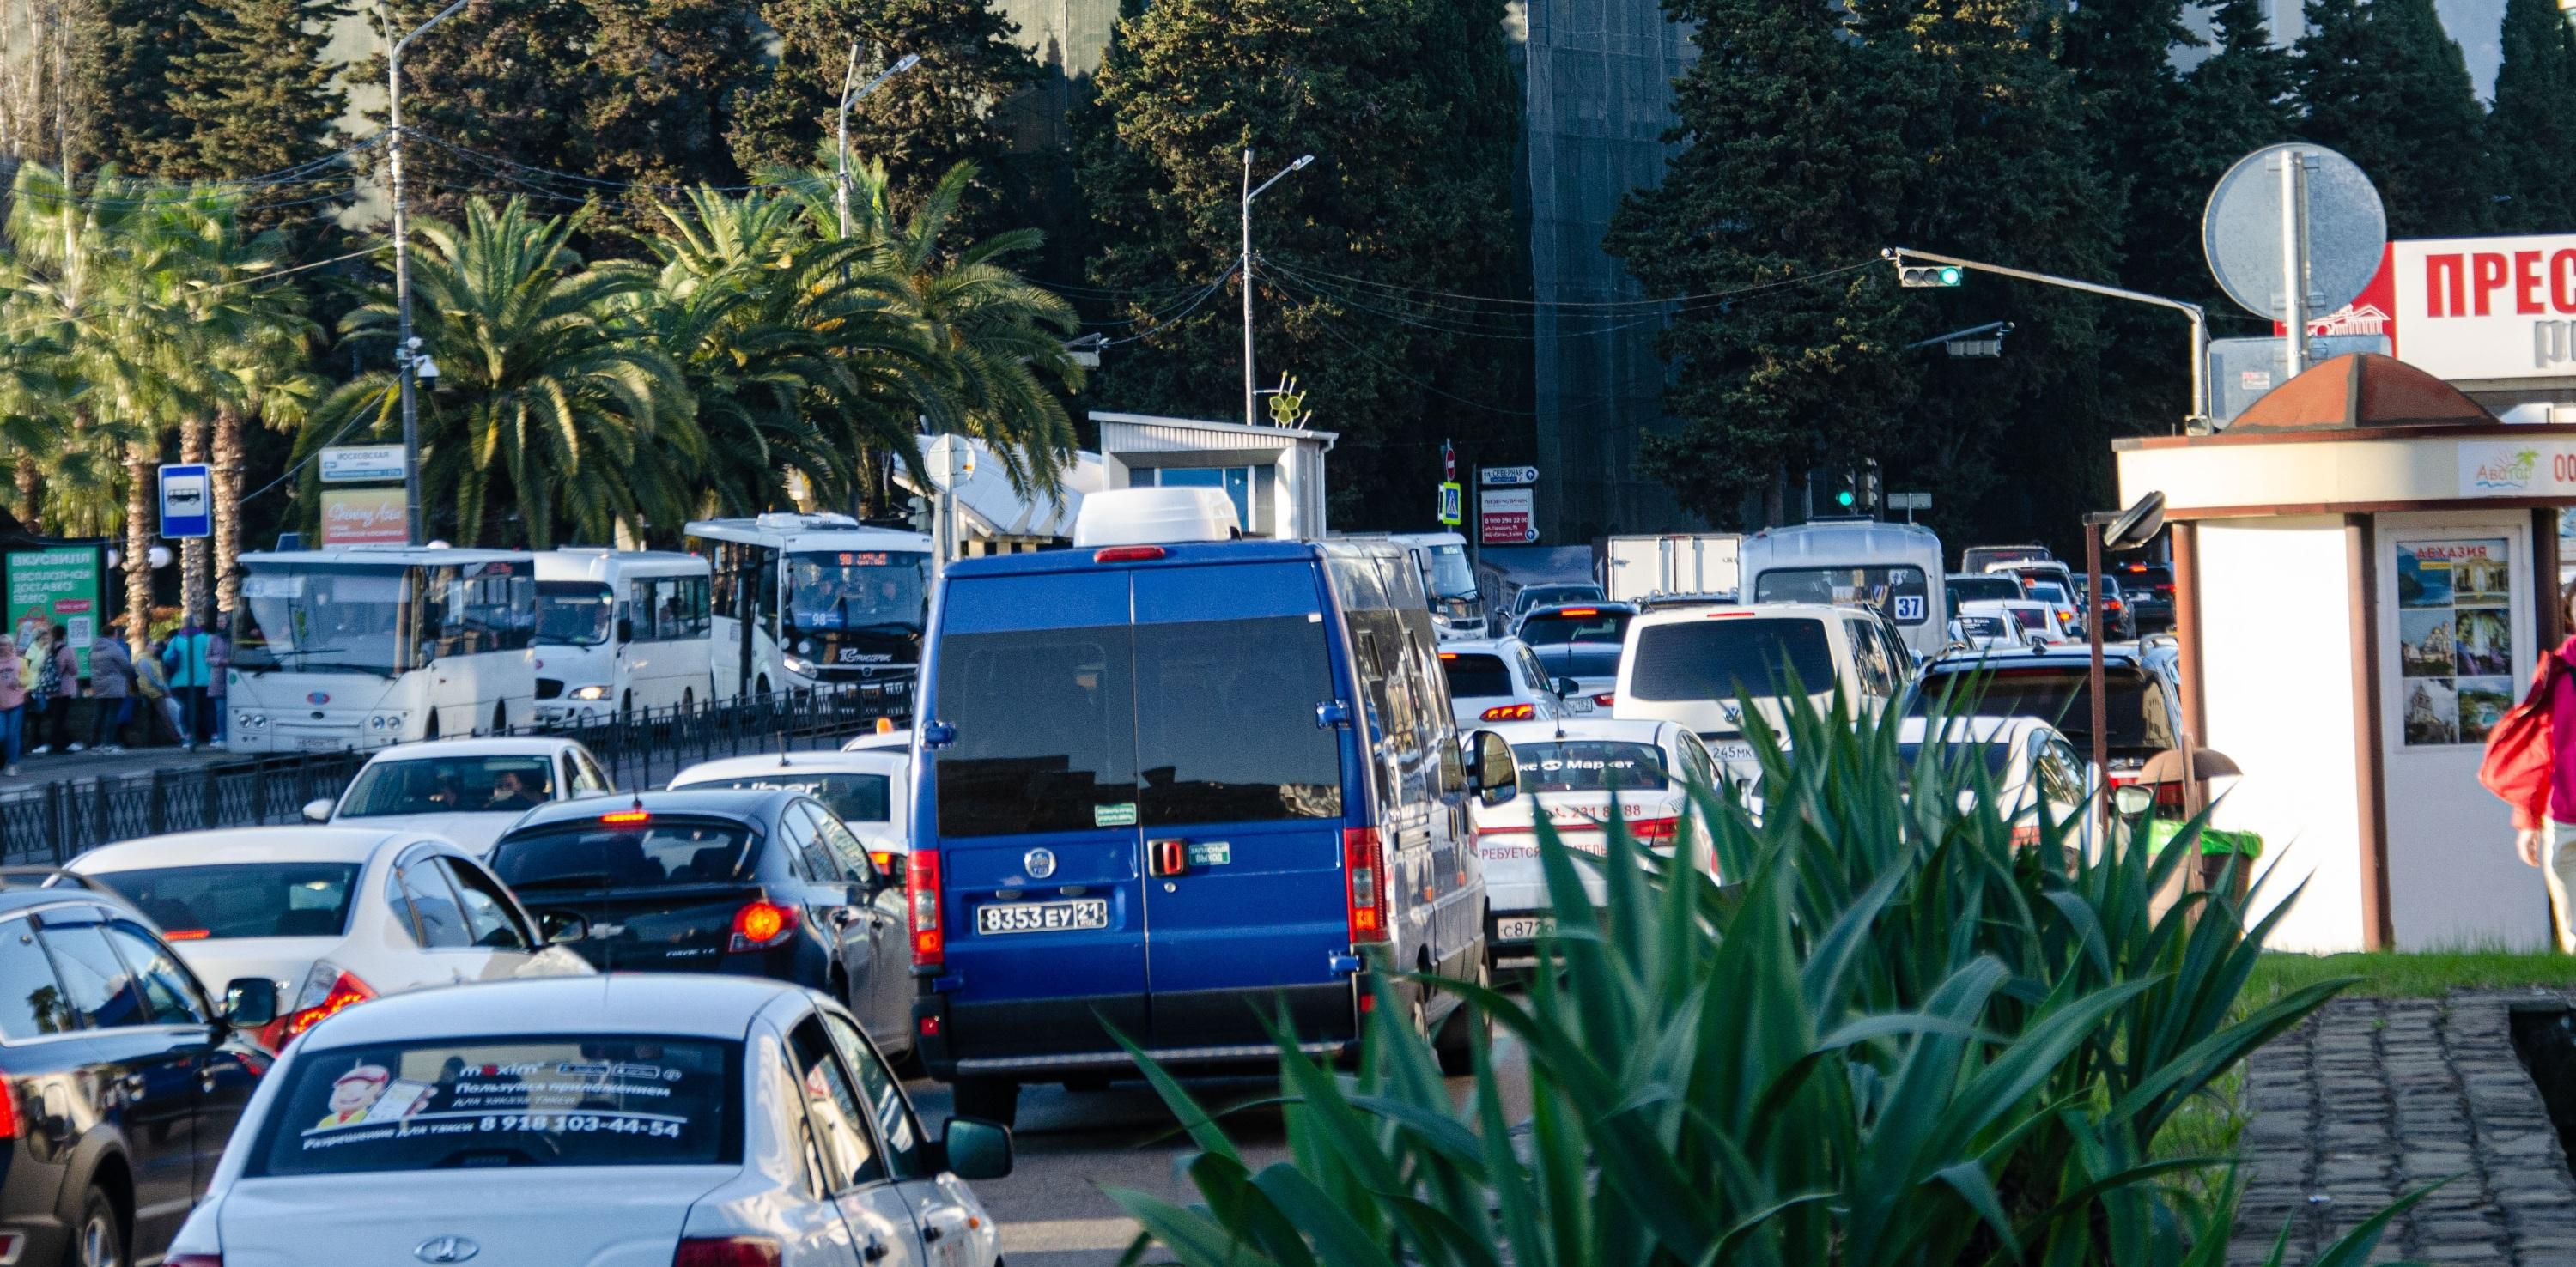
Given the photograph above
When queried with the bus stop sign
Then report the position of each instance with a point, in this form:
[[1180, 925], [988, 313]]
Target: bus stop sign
[[187, 502]]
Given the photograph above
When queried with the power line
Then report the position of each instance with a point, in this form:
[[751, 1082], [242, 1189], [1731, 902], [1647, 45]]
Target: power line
[[1210, 289], [1626, 304]]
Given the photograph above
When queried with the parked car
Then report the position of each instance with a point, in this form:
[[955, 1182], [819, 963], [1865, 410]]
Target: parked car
[[121, 1077], [2150, 587], [2036, 775], [1581, 642], [1497, 680], [1574, 772], [689, 1120], [1695, 666], [334, 916], [1530, 598], [2052, 684], [751, 882], [467, 791], [868, 789]]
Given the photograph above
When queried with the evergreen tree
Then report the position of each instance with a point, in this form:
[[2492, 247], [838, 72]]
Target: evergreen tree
[[1411, 110], [2530, 138], [2385, 85], [123, 58], [255, 96], [667, 76], [504, 79]]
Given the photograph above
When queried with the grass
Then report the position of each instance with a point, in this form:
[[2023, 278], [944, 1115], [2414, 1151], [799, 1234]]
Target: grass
[[2393, 975]]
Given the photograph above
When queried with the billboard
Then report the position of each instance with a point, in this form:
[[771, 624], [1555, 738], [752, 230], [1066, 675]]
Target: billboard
[[364, 516], [57, 586], [1507, 516], [2472, 309]]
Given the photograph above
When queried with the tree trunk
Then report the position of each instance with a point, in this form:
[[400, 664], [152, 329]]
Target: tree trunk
[[31, 493], [194, 554], [228, 471], [139, 461]]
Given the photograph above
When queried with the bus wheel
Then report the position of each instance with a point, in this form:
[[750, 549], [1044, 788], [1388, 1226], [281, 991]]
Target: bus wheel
[[626, 709], [500, 719], [431, 731]]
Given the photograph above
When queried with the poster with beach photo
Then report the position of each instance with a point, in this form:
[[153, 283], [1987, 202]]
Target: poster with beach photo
[[2483, 702], [2454, 639]]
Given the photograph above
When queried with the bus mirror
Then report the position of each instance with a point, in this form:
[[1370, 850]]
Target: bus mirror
[[626, 629]]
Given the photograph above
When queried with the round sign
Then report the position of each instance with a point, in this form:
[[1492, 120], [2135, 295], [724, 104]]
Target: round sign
[[2347, 231], [949, 461]]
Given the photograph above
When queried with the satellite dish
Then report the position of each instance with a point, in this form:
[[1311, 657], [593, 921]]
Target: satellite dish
[[2347, 231], [2137, 525]]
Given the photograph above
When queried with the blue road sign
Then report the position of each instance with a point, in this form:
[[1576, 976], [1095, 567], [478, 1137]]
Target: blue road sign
[[187, 502]]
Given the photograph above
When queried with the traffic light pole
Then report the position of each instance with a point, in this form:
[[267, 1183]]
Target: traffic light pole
[[2199, 417]]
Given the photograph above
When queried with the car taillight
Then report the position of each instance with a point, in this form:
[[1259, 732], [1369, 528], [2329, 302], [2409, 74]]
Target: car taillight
[[183, 934], [1127, 554], [344, 992], [1511, 712], [1606, 699], [1655, 831], [761, 924], [1364, 875], [726, 1251], [921, 893], [8, 1110]]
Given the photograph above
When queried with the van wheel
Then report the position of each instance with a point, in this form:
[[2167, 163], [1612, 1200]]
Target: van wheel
[[500, 719], [991, 1099], [431, 731], [99, 1239], [1456, 1042]]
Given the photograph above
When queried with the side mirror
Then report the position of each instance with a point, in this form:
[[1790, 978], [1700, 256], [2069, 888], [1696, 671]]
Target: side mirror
[[2133, 799], [250, 1002], [626, 629], [1453, 768], [1491, 774], [1567, 688], [561, 927], [976, 1149], [319, 811]]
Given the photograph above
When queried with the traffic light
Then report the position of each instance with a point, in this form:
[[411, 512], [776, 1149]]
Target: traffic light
[[1929, 276]]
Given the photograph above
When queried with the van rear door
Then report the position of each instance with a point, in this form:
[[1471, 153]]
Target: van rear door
[[1036, 814], [1241, 802]]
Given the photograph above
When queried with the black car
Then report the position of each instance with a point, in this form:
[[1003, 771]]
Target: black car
[[2150, 587], [759, 882], [2053, 684], [121, 1079]]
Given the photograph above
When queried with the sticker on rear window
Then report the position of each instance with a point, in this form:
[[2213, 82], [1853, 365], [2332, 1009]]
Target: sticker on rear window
[[1121, 815]]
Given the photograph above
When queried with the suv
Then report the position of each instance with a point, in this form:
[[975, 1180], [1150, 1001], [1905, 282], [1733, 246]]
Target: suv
[[2150, 587], [1693, 665], [112, 1134], [2051, 684]]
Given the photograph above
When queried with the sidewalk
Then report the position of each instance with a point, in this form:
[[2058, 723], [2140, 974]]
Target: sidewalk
[[35, 772]]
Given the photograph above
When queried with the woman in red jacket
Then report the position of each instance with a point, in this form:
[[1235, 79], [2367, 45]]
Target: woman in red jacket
[[2550, 843]]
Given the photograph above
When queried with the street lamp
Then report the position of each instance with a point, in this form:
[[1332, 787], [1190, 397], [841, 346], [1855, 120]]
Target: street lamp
[[841, 185], [406, 348], [1251, 397]]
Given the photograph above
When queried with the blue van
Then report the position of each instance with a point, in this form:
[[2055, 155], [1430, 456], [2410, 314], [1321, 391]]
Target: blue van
[[1174, 788]]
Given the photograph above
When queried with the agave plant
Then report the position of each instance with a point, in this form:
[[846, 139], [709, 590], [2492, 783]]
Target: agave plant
[[1893, 1037]]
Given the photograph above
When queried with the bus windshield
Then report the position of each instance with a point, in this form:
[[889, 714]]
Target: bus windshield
[[325, 617], [1450, 578], [857, 590], [574, 613]]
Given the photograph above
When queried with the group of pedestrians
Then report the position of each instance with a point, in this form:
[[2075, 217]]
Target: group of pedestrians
[[177, 686]]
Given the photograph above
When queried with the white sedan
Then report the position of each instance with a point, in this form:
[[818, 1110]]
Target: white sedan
[[868, 789], [1497, 680], [466, 790], [336, 916], [2032, 766], [645, 1120]]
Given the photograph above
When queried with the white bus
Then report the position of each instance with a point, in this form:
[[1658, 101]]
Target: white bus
[[1448, 580], [619, 630], [1895, 568], [367, 646], [815, 600]]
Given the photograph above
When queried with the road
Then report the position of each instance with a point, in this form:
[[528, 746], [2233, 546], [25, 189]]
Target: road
[[1074, 1147]]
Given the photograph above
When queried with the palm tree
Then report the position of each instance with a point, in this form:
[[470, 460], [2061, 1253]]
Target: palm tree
[[552, 399]]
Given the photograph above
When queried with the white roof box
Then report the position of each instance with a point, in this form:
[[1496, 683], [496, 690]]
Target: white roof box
[[1154, 516]]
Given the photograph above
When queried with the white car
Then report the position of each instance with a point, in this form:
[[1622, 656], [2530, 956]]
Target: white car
[[2009, 624], [868, 789], [1573, 772], [468, 791], [336, 916], [1696, 666], [646, 1120], [1497, 679], [2031, 763]]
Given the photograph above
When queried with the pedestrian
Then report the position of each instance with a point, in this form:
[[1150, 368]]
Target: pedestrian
[[61, 684], [219, 664], [185, 661], [2531, 763], [154, 686], [13, 704], [34, 657], [111, 690]]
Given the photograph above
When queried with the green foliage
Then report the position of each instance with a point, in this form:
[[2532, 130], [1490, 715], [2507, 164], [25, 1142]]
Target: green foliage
[[126, 49], [504, 78], [2383, 84], [2529, 136], [254, 94], [1895, 1037], [664, 77]]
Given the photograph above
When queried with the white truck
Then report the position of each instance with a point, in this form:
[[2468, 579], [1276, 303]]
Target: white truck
[[1631, 568]]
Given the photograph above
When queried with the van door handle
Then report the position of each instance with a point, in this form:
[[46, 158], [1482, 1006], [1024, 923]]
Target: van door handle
[[1167, 857], [875, 1252]]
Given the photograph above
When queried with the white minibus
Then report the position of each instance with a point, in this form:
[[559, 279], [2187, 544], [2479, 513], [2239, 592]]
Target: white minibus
[[620, 630], [1895, 568]]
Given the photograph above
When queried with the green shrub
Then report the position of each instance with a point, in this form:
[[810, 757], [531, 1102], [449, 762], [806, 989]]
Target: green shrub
[[1892, 1037]]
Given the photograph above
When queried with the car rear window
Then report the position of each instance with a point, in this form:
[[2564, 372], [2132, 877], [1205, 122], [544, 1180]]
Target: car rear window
[[852, 798], [623, 856], [1982, 589], [1473, 675], [1984, 626], [1579, 661], [537, 1101], [1720, 659], [1578, 625], [1590, 765], [215, 901], [2059, 696]]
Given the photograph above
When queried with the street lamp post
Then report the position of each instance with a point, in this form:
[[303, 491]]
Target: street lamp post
[[406, 349], [841, 179], [1251, 395]]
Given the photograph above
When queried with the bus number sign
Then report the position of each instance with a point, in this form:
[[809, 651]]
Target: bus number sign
[[872, 559]]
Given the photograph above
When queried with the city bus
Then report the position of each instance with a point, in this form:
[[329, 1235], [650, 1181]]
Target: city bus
[[1449, 586], [368, 646], [619, 630], [815, 600]]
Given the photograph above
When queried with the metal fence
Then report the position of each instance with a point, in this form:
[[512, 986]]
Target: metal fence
[[52, 823]]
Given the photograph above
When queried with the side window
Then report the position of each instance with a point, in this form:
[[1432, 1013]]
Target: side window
[[804, 840], [587, 778], [840, 1127], [31, 999], [1699, 766], [488, 918], [896, 1125], [800, 1128], [94, 979], [436, 922], [845, 847], [169, 993], [1533, 671], [2157, 715]]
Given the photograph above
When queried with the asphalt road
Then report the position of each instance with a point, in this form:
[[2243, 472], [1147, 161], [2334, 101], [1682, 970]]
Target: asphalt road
[[1074, 1147]]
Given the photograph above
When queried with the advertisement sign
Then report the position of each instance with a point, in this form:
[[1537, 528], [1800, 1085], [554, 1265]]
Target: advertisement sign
[[187, 502], [1451, 504], [1507, 516], [58, 586], [361, 464], [2518, 468], [364, 516], [2454, 639]]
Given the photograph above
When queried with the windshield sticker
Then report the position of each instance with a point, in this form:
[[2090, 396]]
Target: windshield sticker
[[1120, 815], [540, 1097]]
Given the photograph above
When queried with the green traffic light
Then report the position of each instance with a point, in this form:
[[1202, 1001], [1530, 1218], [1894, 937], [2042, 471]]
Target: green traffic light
[[1950, 276], [1844, 498]]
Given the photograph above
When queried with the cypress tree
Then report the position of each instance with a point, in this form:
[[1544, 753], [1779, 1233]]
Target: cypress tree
[[504, 78], [667, 76], [2529, 136], [256, 96], [121, 83], [2386, 86]]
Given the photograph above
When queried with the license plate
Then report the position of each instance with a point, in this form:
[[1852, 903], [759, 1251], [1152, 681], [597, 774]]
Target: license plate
[[321, 741], [1523, 927], [1731, 751], [1043, 917]]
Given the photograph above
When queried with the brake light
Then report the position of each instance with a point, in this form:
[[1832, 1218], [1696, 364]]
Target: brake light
[[183, 934], [346, 991], [761, 924], [1655, 831], [1579, 611], [1606, 699], [1364, 878], [921, 893], [1448, 655], [1510, 712], [625, 818], [1726, 615], [726, 1251], [1127, 554], [881, 859], [8, 1110]]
